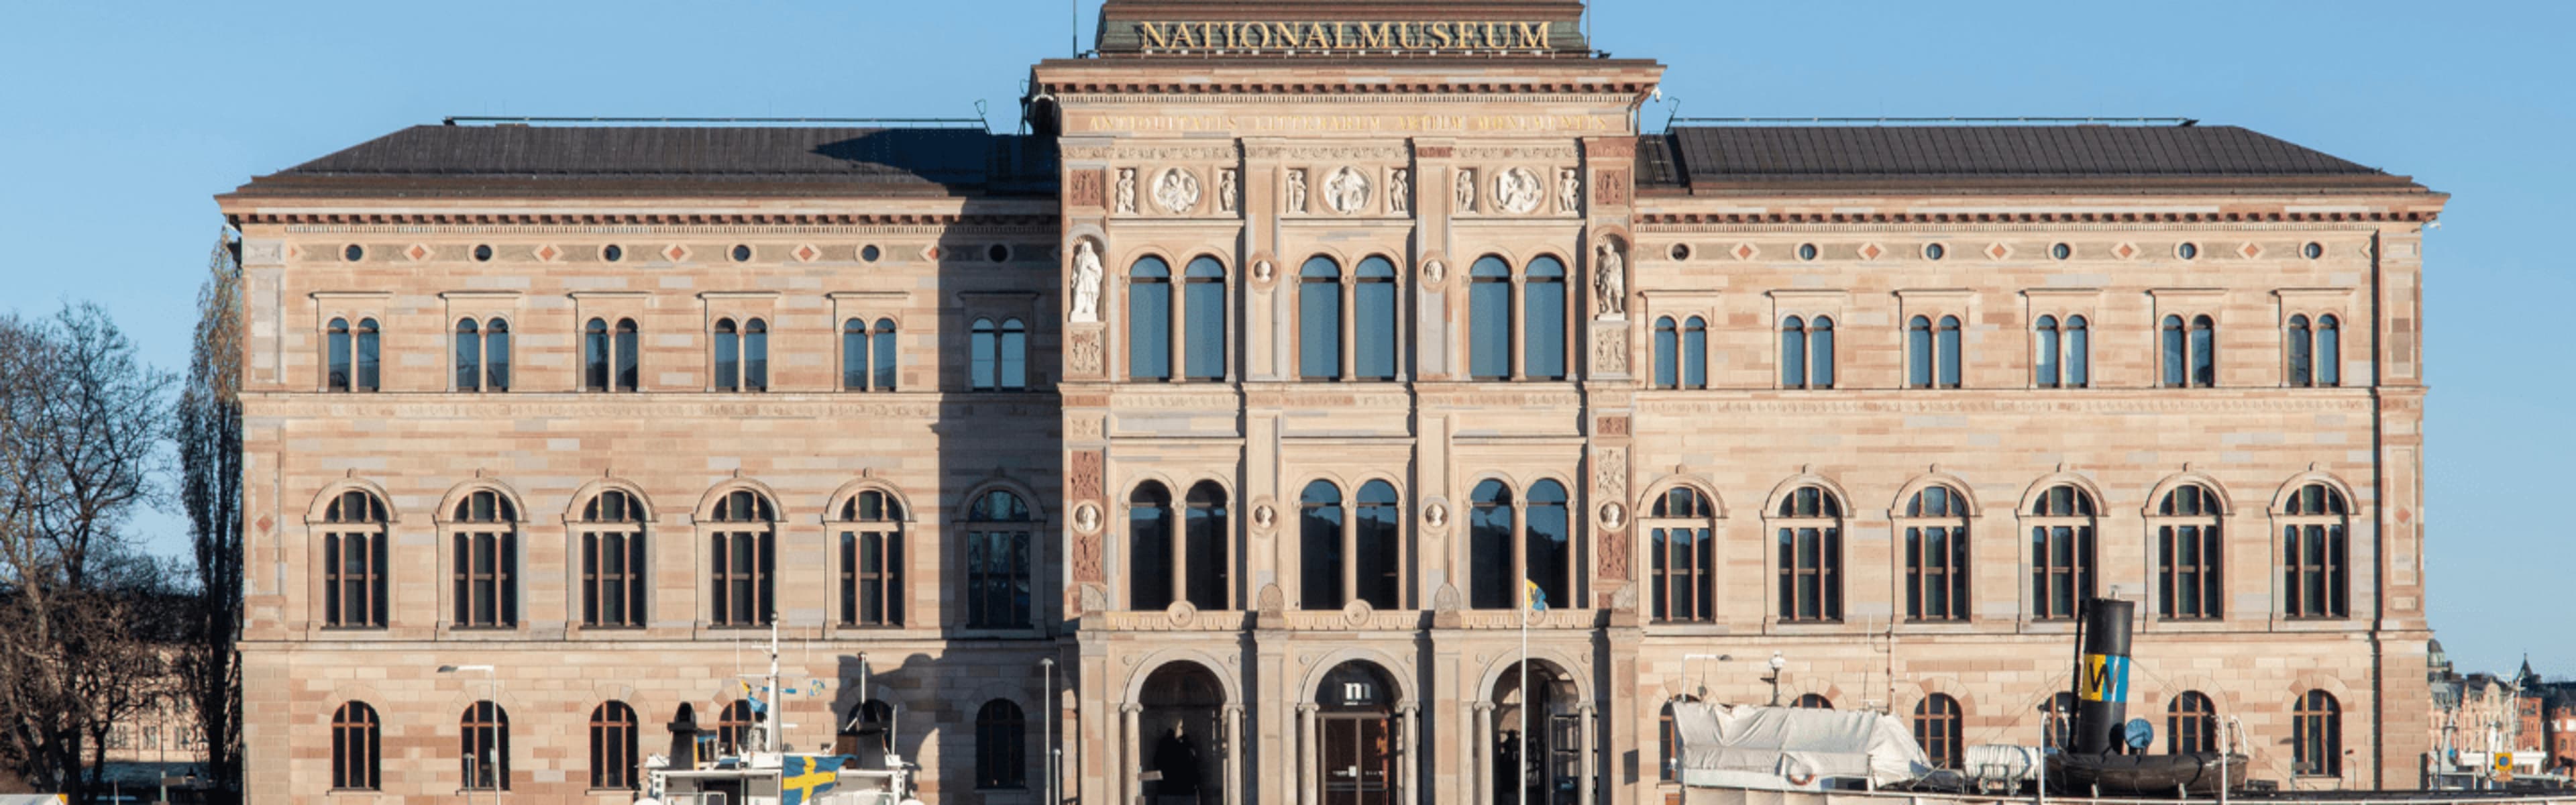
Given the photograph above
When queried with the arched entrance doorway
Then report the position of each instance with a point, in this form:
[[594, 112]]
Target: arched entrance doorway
[[1183, 750], [1545, 764], [1358, 739]]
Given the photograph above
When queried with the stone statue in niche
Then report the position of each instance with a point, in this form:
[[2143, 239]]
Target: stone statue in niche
[[1177, 191], [1086, 282], [1609, 281], [1518, 191], [1347, 191], [1296, 189], [1399, 187], [1126, 190], [1569, 190], [1466, 189], [1225, 190]]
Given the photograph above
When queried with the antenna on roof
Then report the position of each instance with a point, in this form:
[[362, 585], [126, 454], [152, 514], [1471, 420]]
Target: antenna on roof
[[1073, 29]]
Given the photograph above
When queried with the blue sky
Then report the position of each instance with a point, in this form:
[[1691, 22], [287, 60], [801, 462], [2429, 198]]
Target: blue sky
[[118, 121]]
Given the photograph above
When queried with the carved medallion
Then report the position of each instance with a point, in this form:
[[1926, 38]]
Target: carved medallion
[[1517, 191], [1347, 191], [1433, 271], [1086, 518], [1177, 191]]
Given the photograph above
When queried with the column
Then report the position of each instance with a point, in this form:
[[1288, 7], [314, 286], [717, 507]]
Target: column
[[1132, 762], [1350, 322], [1180, 540], [1406, 794], [1484, 738], [1591, 773], [1310, 773], [1233, 756]]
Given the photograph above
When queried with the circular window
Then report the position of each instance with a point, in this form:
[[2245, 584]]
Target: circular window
[[2188, 251], [2313, 250], [869, 252], [741, 253], [1806, 251], [353, 253], [482, 252], [1681, 251], [2061, 251], [1933, 251], [997, 253], [612, 253]]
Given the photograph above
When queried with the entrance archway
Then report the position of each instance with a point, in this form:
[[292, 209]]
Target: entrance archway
[[1357, 738], [1552, 752], [1183, 748]]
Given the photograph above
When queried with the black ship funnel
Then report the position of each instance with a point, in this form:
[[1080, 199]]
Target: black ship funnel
[[2102, 678]]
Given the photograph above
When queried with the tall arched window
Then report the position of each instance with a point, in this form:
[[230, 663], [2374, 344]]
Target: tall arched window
[[335, 338], [1938, 730], [630, 358], [1319, 529], [2044, 370], [2329, 350], [1532, 541], [482, 355], [2191, 724], [2315, 552], [1807, 353], [1936, 555], [1810, 555], [2079, 353], [743, 560], [1377, 546], [1374, 316], [370, 356], [483, 747], [727, 340], [1694, 353], [1204, 548], [1319, 319], [1543, 322], [2061, 552], [356, 748], [999, 534], [608, 358], [2204, 352], [1946, 335], [1149, 320], [612, 746], [867, 355], [1679, 536], [734, 726], [2298, 342], [1918, 352], [1149, 547], [755, 355], [882, 358], [1491, 523], [2174, 345], [1547, 544], [2315, 355], [1489, 319], [483, 560], [1001, 746], [2188, 568], [999, 355], [1203, 316], [353, 562], [872, 559], [1668, 358], [613, 571], [2317, 735]]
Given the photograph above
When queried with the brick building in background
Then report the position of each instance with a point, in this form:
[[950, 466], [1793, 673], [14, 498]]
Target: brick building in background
[[1249, 386]]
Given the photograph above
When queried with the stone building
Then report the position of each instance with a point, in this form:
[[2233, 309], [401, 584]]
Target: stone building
[[1222, 424]]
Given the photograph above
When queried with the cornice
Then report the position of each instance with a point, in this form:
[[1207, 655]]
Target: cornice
[[1689, 404], [1682, 221], [573, 220]]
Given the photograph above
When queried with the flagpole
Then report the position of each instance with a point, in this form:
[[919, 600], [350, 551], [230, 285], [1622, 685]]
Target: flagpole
[[1529, 594]]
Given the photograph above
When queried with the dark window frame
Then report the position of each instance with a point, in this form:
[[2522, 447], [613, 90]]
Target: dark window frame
[[744, 525], [1808, 548], [1937, 556], [870, 554], [615, 560], [1681, 573], [357, 748]]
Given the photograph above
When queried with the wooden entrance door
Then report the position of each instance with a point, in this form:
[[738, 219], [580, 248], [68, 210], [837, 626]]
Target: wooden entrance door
[[1359, 759]]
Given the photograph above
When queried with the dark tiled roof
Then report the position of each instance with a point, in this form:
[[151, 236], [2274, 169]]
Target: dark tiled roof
[[2084, 158], [595, 160]]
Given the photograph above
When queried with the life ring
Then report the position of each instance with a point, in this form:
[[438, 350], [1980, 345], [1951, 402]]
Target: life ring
[[1800, 777]]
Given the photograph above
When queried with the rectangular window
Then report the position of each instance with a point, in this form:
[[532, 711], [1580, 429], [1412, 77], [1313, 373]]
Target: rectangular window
[[871, 578], [1810, 574], [1936, 578], [2188, 570], [1203, 306], [2061, 569], [1319, 329], [1376, 328]]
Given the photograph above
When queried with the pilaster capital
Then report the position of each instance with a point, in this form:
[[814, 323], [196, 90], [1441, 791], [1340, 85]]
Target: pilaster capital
[[1131, 708], [1308, 708], [1234, 711], [1484, 707]]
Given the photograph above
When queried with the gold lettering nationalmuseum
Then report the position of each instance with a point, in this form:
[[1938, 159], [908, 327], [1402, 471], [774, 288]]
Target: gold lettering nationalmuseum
[[1339, 36]]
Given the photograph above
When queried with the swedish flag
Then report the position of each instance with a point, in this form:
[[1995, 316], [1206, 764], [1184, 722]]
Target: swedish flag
[[801, 778]]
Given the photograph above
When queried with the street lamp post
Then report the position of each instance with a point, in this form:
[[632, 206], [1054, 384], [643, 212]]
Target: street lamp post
[[1777, 662], [1046, 725], [492, 695]]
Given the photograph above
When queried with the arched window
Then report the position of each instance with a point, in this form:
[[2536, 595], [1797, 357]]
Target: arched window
[[1813, 701], [1936, 555], [1547, 540], [1489, 319], [608, 358], [356, 748], [612, 746], [734, 727], [1807, 353], [2044, 370], [2315, 355], [2298, 341], [1679, 536], [2057, 720], [1204, 548], [2061, 552], [1668, 743], [353, 562], [2188, 569], [483, 747], [1149, 547], [1946, 335], [482, 355], [1491, 524], [1532, 541], [1149, 320], [613, 570], [867, 355], [2191, 724], [727, 340], [629, 357], [872, 559], [2174, 345], [999, 355], [1374, 317], [2329, 351], [743, 560], [2317, 735], [2204, 352], [755, 355], [370, 356], [1377, 546], [1319, 530], [1694, 353], [1810, 555], [1668, 358], [1938, 730], [1001, 746], [1203, 316], [2315, 574], [999, 536], [335, 340], [1918, 352], [1319, 319], [1543, 321], [2079, 353], [594, 355], [483, 561], [882, 357]]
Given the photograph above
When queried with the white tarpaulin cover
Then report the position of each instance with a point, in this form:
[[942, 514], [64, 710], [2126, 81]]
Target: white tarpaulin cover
[[1795, 742]]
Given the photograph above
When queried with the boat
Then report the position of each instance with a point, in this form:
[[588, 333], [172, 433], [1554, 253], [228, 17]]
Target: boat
[[693, 773]]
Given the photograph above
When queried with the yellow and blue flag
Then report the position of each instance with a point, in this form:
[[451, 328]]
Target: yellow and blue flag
[[1537, 598], [801, 778]]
